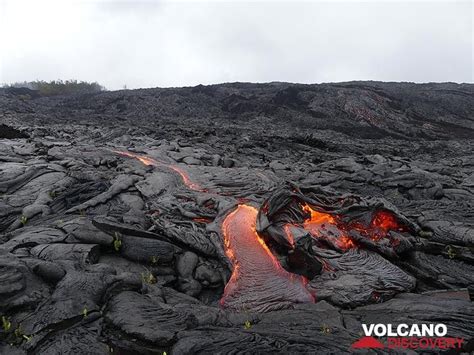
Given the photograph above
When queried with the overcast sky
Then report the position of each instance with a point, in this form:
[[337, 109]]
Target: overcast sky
[[171, 43]]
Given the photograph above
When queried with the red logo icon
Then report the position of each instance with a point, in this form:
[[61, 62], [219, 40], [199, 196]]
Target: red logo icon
[[367, 342]]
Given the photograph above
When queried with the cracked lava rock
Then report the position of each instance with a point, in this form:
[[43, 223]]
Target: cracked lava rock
[[234, 218]]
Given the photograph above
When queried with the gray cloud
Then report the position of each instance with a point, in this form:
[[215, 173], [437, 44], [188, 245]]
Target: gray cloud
[[165, 43]]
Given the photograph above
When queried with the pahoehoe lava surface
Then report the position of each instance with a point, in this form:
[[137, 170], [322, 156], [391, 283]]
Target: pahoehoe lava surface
[[258, 281], [234, 218]]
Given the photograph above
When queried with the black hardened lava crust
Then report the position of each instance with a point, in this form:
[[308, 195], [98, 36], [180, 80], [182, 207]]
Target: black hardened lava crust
[[234, 218]]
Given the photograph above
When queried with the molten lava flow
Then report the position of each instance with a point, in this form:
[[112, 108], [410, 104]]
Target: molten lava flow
[[346, 242], [202, 220], [258, 281], [142, 158], [289, 234], [325, 225], [316, 219], [186, 180], [385, 221], [150, 161]]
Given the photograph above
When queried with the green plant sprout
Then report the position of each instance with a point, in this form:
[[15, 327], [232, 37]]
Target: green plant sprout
[[325, 329], [20, 335], [23, 220], [117, 241], [451, 252], [6, 324], [148, 278], [85, 312]]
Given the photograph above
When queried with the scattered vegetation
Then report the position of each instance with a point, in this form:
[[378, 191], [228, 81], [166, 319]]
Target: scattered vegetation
[[23, 220], [247, 325], [6, 324], [20, 335], [85, 312], [13, 337], [59, 87], [117, 241], [425, 233], [148, 277], [451, 252], [325, 329]]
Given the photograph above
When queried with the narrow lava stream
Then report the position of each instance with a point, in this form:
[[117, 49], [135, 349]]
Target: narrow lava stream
[[150, 161], [258, 281]]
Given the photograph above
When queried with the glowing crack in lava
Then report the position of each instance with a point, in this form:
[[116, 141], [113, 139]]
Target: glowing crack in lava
[[384, 221], [258, 281], [331, 227], [150, 161], [320, 223]]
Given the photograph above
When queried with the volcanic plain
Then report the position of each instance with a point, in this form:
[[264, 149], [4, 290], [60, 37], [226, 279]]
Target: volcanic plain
[[234, 218]]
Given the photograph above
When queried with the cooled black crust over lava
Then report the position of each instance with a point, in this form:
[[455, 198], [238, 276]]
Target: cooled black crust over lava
[[99, 250]]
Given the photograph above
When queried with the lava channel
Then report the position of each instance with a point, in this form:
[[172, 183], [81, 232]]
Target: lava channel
[[150, 161], [258, 281]]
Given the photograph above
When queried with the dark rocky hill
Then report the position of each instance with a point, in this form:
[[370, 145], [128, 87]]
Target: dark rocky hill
[[358, 109]]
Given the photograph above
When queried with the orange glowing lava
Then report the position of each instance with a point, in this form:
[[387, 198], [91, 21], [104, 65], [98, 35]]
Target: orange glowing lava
[[145, 160], [150, 161], [241, 224], [385, 221], [186, 180], [316, 219], [321, 224], [346, 242], [255, 267], [202, 220], [289, 234]]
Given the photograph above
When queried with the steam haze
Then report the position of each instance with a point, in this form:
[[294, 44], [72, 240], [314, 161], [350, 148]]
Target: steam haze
[[169, 43]]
